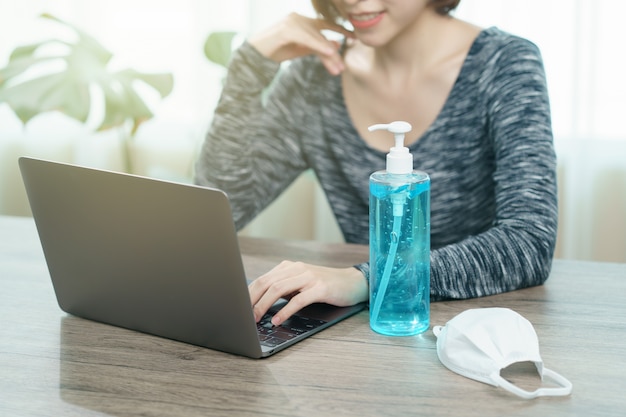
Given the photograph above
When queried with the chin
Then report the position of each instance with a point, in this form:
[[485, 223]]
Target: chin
[[373, 41]]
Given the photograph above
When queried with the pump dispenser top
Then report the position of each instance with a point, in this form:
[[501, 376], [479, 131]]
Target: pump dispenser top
[[399, 160]]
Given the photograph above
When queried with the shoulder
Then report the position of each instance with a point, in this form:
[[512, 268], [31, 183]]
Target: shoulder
[[496, 41], [500, 62], [498, 49]]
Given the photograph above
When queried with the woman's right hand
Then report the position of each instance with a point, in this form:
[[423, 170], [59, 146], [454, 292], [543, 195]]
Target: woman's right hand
[[296, 35], [304, 284]]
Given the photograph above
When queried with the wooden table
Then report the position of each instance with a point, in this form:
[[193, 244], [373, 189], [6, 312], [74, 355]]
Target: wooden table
[[52, 364]]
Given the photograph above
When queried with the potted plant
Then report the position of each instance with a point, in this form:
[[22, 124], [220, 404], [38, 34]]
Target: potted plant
[[67, 88]]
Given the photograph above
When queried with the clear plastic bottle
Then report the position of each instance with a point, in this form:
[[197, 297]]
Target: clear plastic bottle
[[399, 242]]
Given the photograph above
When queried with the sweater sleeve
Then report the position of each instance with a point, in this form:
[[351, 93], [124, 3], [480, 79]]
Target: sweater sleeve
[[517, 251], [251, 150]]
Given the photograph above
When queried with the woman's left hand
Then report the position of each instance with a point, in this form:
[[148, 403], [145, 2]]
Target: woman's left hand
[[304, 284]]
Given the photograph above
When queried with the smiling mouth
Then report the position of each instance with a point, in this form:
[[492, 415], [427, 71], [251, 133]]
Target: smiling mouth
[[365, 20]]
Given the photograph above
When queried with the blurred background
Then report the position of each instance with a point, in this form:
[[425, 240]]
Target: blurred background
[[581, 42]]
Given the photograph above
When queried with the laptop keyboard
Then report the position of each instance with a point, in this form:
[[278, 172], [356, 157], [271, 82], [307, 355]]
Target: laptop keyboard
[[273, 336]]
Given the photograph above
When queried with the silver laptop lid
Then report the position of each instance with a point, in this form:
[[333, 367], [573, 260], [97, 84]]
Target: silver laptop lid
[[144, 254]]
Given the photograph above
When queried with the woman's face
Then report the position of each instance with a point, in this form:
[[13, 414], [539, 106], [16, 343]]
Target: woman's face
[[377, 22]]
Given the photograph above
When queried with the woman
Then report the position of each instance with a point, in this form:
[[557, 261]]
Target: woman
[[478, 104]]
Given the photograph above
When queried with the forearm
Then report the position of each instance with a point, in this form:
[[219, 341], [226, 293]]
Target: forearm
[[231, 156], [232, 128], [504, 259], [501, 260]]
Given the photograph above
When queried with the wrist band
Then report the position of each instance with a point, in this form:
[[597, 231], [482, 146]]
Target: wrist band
[[365, 270]]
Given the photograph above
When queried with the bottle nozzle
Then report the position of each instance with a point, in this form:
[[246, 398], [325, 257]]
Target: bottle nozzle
[[399, 160], [397, 128]]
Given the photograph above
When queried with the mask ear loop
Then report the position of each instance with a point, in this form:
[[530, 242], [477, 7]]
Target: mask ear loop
[[564, 389]]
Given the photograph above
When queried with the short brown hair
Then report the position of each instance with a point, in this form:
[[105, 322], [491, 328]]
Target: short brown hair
[[326, 9]]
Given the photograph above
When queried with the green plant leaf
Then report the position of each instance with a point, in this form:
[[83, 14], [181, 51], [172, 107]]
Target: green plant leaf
[[163, 83], [86, 43], [21, 59], [84, 65], [218, 47], [123, 104], [25, 51], [54, 92]]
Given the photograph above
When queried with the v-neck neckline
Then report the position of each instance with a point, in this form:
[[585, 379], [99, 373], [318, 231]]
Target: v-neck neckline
[[417, 142]]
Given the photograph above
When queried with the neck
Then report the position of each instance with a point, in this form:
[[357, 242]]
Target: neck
[[431, 39], [434, 43]]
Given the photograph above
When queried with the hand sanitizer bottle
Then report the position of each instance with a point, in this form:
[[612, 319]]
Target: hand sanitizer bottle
[[399, 242]]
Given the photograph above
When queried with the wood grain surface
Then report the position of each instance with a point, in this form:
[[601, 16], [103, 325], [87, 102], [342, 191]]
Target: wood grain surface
[[52, 364]]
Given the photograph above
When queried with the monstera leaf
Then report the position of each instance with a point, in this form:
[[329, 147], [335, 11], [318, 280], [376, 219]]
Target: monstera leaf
[[218, 47], [66, 88]]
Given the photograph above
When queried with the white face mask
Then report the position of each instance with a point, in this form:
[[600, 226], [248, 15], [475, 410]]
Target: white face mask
[[479, 343]]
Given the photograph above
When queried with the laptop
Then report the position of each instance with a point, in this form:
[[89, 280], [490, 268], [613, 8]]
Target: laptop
[[156, 257]]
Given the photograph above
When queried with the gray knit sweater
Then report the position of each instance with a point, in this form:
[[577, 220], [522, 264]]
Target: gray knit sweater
[[489, 154]]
